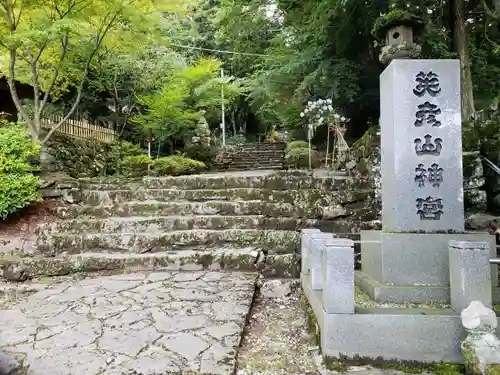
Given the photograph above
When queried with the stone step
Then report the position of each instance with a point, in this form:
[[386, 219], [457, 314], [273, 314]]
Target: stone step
[[156, 225], [315, 197], [257, 163], [157, 208], [274, 241], [277, 180], [159, 224], [18, 268]]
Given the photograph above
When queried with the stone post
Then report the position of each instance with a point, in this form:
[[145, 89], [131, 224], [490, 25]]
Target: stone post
[[338, 276], [421, 144], [305, 251], [317, 243], [470, 276]]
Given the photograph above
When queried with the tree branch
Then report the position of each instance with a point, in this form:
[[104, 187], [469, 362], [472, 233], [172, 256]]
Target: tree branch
[[490, 12], [13, 90], [100, 35], [55, 74]]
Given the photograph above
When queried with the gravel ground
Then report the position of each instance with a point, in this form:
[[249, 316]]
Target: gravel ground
[[277, 341]]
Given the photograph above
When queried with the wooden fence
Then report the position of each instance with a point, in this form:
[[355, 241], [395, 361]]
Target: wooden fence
[[81, 129]]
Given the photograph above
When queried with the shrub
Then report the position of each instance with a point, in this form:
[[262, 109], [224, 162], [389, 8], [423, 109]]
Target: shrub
[[299, 158], [296, 144], [177, 165], [203, 153], [18, 186], [118, 152], [135, 166]]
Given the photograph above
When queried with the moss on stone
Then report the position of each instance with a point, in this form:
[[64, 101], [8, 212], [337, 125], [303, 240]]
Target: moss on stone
[[433, 368], [312, 321], [336, 365]]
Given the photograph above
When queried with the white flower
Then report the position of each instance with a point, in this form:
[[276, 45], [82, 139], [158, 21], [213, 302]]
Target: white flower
[[325, 108], [320, 101], [329, 101], [306, 110], [309, 103], [318, 115], [321, 120], [342, 118], [302, 114], [336, 116], [330, 108]]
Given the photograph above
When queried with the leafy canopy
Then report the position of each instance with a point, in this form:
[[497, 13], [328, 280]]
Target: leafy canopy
[[174, 109], [50, 44]]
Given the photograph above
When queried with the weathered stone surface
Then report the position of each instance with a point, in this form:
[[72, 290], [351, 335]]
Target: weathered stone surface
[[482, 222], [16, 268], [160, 224], [317, 197], [481, 348], [278, 241], [277, 180], [141, 323], [147, 208]]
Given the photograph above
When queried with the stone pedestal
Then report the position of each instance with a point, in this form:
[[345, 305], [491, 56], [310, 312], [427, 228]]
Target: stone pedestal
[[412, 267]]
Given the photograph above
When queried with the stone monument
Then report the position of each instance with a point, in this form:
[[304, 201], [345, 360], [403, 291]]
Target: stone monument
[[422, 184]]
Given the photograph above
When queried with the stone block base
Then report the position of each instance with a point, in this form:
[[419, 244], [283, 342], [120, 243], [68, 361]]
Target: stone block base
[[388, 335], [408, 293], [411, 267]]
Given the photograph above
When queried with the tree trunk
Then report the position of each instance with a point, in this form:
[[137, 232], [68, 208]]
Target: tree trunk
[[460, 43]]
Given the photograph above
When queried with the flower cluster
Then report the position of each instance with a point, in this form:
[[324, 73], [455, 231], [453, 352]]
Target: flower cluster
[[320, 111]]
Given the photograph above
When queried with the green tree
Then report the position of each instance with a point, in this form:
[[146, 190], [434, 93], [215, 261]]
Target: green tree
[[174, 110], [52, 44]]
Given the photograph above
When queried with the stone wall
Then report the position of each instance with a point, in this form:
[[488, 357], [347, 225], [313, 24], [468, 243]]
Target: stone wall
[[77, 158], [266, 155]]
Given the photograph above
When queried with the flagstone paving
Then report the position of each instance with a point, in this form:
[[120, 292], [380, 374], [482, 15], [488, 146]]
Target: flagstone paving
[[147, 323]]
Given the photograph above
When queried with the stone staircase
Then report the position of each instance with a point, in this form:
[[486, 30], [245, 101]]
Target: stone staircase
[[254, 156], [240, 221]]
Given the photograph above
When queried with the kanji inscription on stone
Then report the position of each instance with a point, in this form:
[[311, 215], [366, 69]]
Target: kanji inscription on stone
[[427, 83], [432, 175], [430, 208], [421, 144], [428, 146], [426, 113]]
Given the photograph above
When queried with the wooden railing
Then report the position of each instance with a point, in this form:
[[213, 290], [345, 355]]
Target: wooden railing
[[81, 129]]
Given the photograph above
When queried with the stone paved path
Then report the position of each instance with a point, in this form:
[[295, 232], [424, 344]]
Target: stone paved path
[[140, 323]]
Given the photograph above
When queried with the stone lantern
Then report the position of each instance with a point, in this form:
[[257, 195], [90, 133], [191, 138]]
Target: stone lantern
[[397, 29]]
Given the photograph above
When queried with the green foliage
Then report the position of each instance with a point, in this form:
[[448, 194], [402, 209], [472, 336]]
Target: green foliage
[[296, 144], [78, 158], [298, 158], [177, 165], [55, 43], [18, 186], [393, 18], [203, 153], [173, 111], [136, 166], [118, 153]]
